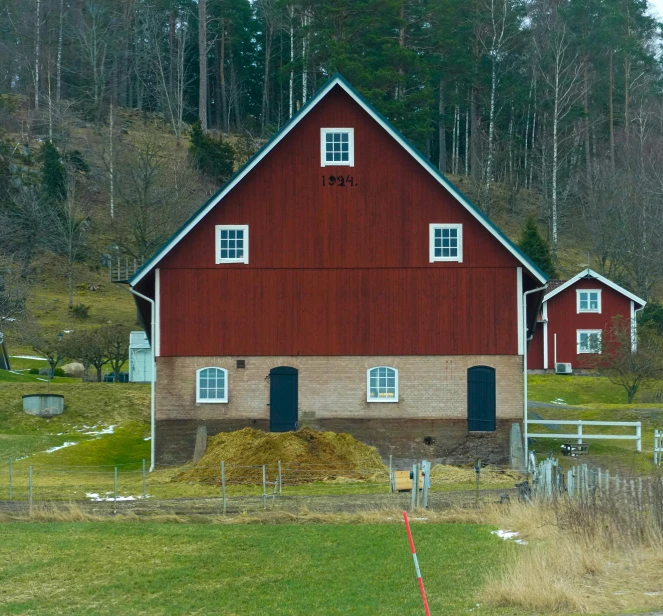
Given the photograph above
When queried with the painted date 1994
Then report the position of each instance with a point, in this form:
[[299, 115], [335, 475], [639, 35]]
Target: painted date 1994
[[338, 180]]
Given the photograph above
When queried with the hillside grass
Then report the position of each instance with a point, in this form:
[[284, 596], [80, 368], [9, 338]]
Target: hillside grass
[[153, 569]]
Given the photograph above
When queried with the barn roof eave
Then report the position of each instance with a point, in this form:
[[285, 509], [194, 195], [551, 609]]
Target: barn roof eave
[[339, 80]]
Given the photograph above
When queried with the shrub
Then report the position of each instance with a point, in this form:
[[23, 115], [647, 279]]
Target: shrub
[[81, 311], [33, 371], [59, 372], [213, 157]]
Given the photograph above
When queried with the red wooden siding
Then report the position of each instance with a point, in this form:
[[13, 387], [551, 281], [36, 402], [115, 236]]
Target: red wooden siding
[[339, 312], [299, 293], [564, 320]]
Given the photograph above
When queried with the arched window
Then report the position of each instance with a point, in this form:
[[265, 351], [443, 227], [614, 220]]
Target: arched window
[[382, 384], [212, 385]]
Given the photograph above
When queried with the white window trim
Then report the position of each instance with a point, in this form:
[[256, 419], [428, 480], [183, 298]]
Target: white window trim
[[199, 400], [368, 386], [579, 291], [590, 332], [351, 147], [218, 229], [431, 242]]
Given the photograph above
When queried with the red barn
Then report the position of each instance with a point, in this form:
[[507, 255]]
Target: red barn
[[339, 281], [573, 316]]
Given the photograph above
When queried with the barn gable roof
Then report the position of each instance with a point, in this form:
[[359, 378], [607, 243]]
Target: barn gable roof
[[590, 273], [338, 80]]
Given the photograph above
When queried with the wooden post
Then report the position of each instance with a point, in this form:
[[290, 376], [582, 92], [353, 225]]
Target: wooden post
[[144, 482], [391, 472], [223, 485], [115, 490], [30, 488], [580, 433], [415, 487], [264, 487], [638, 434], [10, 478], [280, 479]]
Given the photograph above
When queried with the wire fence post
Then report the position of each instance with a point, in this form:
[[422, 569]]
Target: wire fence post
[[415, 485], [264, 487], [223, 485], [30, 489], [280, 479], [10, 478], [115, 490], [391, 487], [144, 482], [477, 472]]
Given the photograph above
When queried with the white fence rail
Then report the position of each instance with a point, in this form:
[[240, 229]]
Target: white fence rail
[[658, 446], [579, 436]]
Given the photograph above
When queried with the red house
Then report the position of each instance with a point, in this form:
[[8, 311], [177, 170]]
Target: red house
[[573, 316], [339, 281]]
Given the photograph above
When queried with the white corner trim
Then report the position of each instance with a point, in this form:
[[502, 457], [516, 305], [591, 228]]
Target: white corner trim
[[217, 244], [223, 400], [520, 311], [634, 329], [157, 312], [600, 301], [545, 335], [351, 147], [431, 242], [368, 386], [287, 129], [592, 274]]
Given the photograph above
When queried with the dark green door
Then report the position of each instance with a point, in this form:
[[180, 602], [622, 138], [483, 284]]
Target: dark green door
[[481, 405], [283, 400]]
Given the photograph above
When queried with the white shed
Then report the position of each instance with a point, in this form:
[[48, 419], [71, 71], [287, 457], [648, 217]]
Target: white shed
[[140, 358]]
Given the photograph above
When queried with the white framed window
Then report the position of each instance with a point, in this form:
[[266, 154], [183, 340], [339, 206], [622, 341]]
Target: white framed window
[[211, 385], [232, 243], [446, 243], [588, 300], [337, 147], [382, 384], [589, 340]]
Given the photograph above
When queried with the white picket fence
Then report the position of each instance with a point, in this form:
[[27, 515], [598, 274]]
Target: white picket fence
[[658, 446], [580, 435]]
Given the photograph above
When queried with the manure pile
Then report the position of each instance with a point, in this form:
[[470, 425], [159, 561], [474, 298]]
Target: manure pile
[[305, 455]]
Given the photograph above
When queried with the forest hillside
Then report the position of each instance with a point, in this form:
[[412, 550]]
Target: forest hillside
[[118, 120]]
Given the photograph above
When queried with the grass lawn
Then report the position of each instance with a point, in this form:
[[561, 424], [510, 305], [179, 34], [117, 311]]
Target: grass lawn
[[145, 568]]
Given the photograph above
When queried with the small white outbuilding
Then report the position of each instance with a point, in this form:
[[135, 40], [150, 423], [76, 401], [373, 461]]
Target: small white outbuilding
[[140, 358]]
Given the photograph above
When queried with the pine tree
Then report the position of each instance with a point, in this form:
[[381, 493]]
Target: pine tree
[[53, 174], [536, 248]]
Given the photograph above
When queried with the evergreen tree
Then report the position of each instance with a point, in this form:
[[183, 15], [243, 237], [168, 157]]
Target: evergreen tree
[[53, 174], [536, 248], [214, 157]]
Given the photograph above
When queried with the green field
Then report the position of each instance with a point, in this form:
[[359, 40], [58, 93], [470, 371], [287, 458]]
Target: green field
[[156, 569]]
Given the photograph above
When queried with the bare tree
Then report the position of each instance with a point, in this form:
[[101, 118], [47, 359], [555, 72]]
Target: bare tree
[[202, 63], [632, 361], [115, 340]]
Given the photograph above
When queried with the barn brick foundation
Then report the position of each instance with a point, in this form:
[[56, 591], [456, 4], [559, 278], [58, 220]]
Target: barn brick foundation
[[428, 421]]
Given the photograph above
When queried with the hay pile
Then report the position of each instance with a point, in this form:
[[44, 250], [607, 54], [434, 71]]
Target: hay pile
[[305, 456]]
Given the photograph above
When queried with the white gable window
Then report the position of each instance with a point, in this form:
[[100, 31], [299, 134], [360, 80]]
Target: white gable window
[[589, 340], [211, 385], [382, 384], [337, 147], [588, 300], [232, 243], [446, 243]]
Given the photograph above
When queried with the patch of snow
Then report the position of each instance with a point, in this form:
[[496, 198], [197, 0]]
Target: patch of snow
[[108, 430], [653, 594], [67, 444], [147, 438], [28, 357], [95, 496], [46, 380], [508, 535], [420, 519], [558, 401]]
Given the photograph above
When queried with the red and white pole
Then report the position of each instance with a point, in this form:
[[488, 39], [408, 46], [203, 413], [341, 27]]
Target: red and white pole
[[416, 563]]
